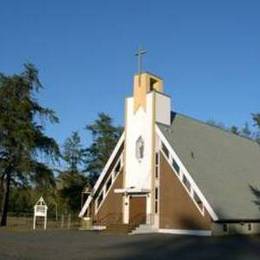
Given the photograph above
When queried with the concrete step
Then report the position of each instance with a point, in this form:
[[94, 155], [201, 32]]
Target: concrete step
[[144, 229], [145, 226], [93, 228]]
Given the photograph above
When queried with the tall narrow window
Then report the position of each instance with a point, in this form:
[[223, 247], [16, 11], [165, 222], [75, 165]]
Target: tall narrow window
[[156, 196], [156, 193], [156, 165], [100, 198], [165, 150], [156, 172], [175, 166], [156, 159], [108, 184], [186, 182], [198, 200], [117, 169], [156, 207]]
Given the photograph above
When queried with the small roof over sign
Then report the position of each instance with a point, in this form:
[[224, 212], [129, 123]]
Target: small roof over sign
[[41, 202]]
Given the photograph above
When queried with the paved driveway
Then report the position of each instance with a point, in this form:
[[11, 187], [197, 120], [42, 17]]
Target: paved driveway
[[88, 245]]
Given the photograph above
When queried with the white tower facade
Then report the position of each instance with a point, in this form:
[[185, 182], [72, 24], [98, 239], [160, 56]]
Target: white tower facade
[[147, 107]]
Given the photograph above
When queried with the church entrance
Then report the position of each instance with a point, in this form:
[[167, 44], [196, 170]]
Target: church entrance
[[137, 210]]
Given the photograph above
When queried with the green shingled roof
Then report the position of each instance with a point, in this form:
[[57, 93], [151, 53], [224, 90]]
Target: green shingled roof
[[222, 164]]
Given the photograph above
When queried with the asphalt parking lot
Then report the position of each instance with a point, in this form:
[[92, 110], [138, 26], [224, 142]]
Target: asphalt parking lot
[[89, 245]]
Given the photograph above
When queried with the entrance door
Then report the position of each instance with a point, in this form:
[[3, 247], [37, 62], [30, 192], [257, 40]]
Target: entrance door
[[137, 210]]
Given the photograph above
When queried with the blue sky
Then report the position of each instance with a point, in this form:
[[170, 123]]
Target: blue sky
[[207, 52]]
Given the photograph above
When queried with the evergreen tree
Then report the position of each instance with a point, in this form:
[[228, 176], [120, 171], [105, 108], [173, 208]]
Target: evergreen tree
[[71, 181], [104, 138], [216, 124], [245, 131], [70, 187], [22, 137], [256, 119], [73, 153], [234, 130]]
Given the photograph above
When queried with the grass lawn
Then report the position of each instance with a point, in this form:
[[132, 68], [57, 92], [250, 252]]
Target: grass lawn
[[90, 245]]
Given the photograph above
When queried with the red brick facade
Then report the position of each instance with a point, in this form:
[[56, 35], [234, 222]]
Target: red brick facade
[[110, 211], [177, 210]]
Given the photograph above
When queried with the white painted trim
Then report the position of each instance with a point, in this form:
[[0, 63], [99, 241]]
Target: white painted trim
[[187, 174], [113, 179], [191, 232], [134, 190], [102, 175], [157, 182], [139, 195]]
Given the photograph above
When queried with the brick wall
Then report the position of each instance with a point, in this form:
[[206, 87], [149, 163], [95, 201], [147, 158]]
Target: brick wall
[[177, 210]]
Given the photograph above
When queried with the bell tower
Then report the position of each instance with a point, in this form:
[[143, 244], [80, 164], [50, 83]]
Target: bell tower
[[148, 106], [143, 84]]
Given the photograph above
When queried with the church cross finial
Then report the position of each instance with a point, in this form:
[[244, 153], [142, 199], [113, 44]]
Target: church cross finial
[[140, 52]]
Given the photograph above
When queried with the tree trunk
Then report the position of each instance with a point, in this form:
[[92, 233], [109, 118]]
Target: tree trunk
[[1, 190], [5, 202]]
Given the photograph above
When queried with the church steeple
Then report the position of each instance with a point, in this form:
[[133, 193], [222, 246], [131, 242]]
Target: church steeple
[[143, 84]]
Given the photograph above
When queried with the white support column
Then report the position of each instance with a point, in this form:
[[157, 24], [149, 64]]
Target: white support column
[[126, 205], [34, 222], [45, 222], [149, 217]]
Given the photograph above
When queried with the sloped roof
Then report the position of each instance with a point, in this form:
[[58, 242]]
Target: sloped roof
[[222, 164]]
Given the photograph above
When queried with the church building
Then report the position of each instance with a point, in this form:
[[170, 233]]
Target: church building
[[171, 173]]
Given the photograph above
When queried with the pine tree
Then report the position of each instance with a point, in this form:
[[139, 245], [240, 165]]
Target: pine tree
[[71, 181], [234, 130], [22, 137], [256, 119], [245, 131], [73, 153], [104, 138]]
